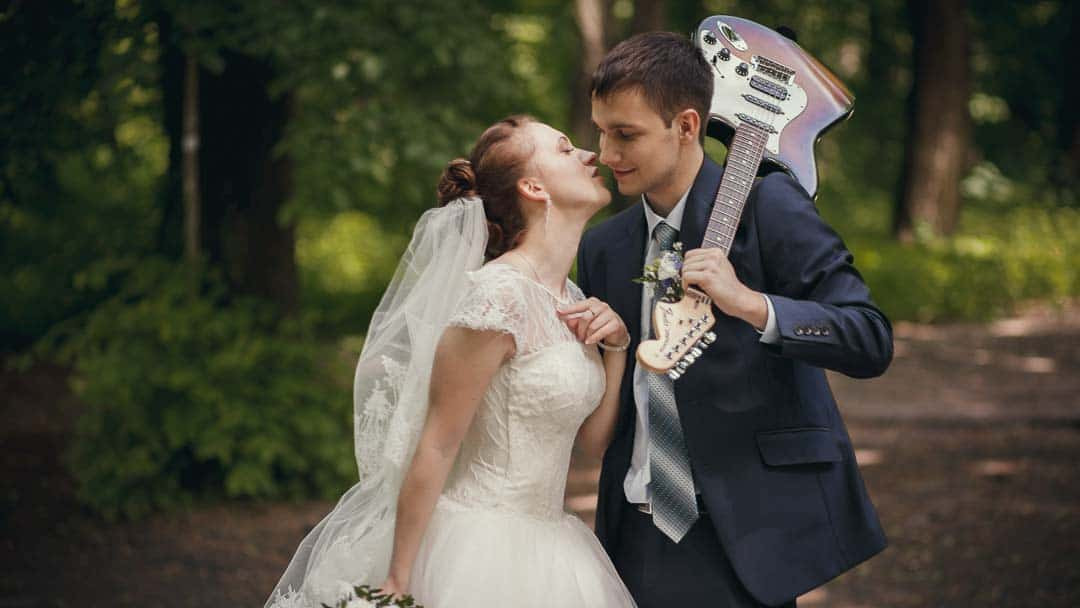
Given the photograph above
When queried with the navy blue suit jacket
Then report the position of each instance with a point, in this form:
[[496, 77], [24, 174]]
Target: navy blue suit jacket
[[769, 452]]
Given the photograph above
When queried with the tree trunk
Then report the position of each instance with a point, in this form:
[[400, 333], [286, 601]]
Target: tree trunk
[[592, 17], [1070, 121], [936, 155], [649, 16], [190, 147], [171, 63], [244, 182]]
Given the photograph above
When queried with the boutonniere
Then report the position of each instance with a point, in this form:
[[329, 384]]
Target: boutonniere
[[664, 274]]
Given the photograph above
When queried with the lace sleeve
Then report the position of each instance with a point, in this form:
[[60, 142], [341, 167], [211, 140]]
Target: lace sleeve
[[493, 302]]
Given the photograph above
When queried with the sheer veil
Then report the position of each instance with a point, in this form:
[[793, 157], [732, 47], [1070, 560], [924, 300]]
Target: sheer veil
[[352, 544]]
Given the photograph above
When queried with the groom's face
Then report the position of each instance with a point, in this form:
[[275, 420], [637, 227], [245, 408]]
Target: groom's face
[[640, 147]]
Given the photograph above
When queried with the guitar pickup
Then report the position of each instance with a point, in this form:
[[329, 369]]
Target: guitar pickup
[[761, 103], [769, 88], [764, 126]]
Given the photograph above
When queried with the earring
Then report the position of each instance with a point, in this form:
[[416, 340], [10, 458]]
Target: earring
[[547, 214]]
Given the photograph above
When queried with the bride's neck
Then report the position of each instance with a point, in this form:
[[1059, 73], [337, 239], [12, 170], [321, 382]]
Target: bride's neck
[[551, 252]]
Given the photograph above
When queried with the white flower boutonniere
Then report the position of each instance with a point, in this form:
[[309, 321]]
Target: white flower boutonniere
[[664, 274]]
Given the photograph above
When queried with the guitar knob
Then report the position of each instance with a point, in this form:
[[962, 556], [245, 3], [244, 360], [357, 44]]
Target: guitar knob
[[710, 38], [674, 375], [742, 69], [709, 337], [725, 54]]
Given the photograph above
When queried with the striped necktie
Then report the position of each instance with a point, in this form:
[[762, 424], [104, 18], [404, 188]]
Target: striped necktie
[[673, 502]]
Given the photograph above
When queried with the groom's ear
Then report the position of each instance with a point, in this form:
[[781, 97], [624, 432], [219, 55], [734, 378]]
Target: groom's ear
[[688, 124]]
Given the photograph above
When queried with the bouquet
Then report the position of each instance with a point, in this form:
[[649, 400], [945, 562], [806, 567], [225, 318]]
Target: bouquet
[[365, 596], [664, 274]]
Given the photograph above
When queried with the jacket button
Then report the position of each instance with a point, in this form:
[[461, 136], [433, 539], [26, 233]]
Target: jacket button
[[798, 331], [825, 331], [817, 331]]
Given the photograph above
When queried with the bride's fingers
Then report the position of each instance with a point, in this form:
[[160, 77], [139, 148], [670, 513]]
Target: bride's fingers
[[577, 308], [606, 330], [601, 319]]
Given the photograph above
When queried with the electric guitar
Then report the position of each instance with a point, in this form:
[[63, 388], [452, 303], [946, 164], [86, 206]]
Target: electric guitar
[[776, 100]]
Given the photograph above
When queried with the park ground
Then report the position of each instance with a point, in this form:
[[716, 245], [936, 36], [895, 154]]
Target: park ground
[[969, 445]]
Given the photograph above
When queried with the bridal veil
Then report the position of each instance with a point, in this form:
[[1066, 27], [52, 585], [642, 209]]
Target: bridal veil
[[352, 544]]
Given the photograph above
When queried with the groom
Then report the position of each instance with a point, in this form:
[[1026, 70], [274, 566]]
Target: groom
[[735, 485]]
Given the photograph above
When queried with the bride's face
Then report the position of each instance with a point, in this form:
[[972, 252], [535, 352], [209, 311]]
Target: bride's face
[[568, 174]]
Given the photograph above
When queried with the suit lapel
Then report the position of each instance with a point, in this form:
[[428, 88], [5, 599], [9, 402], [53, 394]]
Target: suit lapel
[[699, 204], [627, 256]]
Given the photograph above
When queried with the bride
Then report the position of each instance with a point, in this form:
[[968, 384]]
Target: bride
[[479, 374]]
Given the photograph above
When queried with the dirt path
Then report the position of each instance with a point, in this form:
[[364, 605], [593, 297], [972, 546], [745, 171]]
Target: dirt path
[[969, 447]]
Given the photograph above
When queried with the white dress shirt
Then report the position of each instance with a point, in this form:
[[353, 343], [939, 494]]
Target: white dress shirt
[[636, 483]]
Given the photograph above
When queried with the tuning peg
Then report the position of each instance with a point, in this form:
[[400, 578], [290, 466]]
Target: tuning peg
[[674, 375], [690, 358], [681, 366], [709, 337], [696, 352]]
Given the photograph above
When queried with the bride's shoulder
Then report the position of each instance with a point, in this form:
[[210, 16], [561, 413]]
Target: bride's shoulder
[[492, 301], [496, 272]]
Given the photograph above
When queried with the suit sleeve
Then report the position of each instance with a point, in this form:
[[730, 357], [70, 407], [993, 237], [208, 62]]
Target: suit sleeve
[[824, 313]]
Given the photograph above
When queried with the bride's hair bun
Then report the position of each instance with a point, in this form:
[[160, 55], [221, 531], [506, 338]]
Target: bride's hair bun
[[458, 180], [498, 160]]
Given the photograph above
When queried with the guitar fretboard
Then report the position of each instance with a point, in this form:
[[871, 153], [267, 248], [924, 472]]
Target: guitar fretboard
[[743, 158]]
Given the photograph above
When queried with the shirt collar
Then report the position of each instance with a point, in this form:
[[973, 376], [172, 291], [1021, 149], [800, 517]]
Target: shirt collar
[[674, 219]]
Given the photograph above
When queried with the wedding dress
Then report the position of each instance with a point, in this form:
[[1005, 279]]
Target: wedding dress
[[499, 536]]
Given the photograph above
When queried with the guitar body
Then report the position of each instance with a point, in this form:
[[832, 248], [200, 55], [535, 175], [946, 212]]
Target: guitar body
[[679, 326], [815, 98], [776, 100]]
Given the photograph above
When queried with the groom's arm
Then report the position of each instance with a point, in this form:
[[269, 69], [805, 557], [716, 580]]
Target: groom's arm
[[822, 308]]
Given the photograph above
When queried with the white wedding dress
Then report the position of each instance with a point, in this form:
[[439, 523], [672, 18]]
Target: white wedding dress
[[499, 535]]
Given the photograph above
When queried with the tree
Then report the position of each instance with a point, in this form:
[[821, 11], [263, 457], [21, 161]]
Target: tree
[[593, 18], [936, 152]]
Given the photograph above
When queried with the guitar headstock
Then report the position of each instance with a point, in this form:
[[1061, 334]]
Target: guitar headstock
[[682, 334]]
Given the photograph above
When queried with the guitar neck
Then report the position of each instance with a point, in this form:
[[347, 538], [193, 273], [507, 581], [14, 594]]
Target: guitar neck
[[743, 158]]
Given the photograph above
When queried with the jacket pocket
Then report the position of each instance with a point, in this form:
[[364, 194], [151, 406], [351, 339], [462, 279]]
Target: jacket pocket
[[810, 445]]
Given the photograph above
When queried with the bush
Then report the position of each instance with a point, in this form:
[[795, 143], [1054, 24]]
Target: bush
[[191, 396], [996, 262]]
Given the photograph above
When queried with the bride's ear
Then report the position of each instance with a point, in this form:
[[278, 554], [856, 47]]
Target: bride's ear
[[532, 189]]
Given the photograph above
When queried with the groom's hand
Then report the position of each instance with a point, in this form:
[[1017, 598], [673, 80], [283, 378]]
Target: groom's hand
[[711, 271]]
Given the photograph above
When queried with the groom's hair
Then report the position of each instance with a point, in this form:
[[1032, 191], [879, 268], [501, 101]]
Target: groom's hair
[[670, 71]]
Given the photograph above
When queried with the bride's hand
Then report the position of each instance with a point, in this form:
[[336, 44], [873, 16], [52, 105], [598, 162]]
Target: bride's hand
[[592, 320], [392, 587]]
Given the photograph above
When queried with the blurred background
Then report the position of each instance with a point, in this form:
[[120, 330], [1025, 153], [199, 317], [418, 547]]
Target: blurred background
[[201, 202]]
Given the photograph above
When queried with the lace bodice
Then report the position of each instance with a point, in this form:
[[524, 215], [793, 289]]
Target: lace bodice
[[516, 454]]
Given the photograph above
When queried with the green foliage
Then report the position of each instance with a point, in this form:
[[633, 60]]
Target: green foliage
[[999, 261], [191, 396], [345, 263], [374, 598]]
